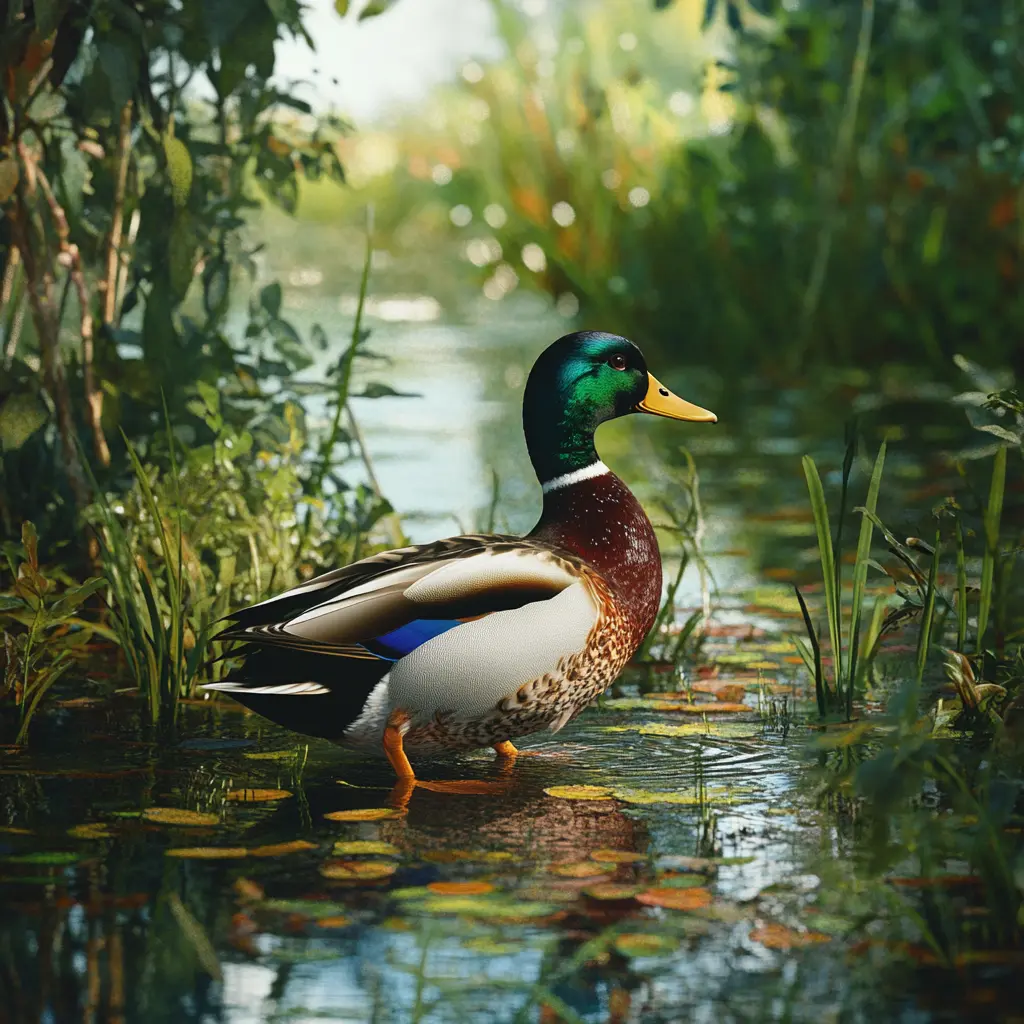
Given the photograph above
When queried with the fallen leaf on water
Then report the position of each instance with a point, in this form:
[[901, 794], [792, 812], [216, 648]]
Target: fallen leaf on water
[[247, 889], [617, 857], [460, 888], [334, 921], [611, 891], [207, 852], [91, 830], [778, 936], [358, 870], [676, 899], [365, 814], [53, 858], [255, 796], [179, 816], [640, 944], [579, 869], [580, 792], [280, 849], [13, 830], [360, 846]]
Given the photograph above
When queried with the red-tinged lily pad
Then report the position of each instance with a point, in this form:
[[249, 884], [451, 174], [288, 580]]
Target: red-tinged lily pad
[[468, 888], [676, 899], [334, 921], [365, 814], [934, 881], [177, 816], [280, 849], [358, 870], [778, 936], [90, 830], [257, 796]]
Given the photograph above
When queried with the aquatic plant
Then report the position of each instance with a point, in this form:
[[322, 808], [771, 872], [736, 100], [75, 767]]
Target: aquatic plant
[[43, 633], [847, 671]]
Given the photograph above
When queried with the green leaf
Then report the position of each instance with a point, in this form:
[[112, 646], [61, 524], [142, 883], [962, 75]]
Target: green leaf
[[819, 508], [270, 298], [374, 389], [71, 599], [341, 6], [181, 254], [179, 169], [21, 415], [8, 178], [48, 15], [375, 7], [118, 58], [993, 514]]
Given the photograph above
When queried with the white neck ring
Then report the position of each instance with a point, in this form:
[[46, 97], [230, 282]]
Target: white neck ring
[[577, 476]]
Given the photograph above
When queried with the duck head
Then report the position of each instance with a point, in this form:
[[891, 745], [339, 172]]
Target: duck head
[[579, 382]]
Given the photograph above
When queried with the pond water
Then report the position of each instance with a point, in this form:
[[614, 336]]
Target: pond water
[[704, 880]]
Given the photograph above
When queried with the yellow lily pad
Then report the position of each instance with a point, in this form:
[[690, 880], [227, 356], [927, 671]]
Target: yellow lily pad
[[334, 921], [365, 814], [208, 852], [618, 857], [178, 816], [778, 936], [580, 869], [358, 870], [91, 830], [641, 944], [257, 796], [359, 846], [580, 792], [612, 891], [280, 849]]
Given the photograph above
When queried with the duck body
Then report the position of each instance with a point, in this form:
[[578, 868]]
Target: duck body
[[477, 640]]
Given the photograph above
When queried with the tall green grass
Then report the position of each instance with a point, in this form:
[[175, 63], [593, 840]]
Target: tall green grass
[[836, 693]]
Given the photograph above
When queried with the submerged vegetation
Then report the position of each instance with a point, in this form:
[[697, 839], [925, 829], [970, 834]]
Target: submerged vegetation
[[817, 757]]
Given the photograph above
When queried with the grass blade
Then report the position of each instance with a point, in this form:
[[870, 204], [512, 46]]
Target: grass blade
[[961, 590], [993, 514], [860, 573], [819, 509], [924, 638], [812, 636]]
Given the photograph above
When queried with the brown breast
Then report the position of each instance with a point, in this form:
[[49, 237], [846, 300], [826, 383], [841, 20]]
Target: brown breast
[[600, 521]]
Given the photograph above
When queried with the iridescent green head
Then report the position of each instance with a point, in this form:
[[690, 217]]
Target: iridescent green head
[[578, 383]]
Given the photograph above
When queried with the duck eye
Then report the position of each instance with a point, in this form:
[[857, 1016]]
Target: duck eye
[[617, 361]]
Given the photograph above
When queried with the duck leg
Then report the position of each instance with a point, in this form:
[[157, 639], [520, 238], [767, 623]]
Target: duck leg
[[394, 750], [506, 750]]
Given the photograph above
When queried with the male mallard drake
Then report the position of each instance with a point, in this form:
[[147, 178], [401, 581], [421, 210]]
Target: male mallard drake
[[475, 640]]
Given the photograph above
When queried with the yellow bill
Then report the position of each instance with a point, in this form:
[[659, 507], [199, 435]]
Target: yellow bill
[[661, 402]]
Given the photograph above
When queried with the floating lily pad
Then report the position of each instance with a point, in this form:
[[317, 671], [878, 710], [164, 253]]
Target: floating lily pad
[[611, 891], [359, 846], [54, 858], [304, 908], [257, 796], [618, 857], [365, 814], [676, 899], [207, 852], [778, 936], [641, 944], [685, 881], [468, 888], [580, 792], [333, 921], [179, 817], [580, 869], [650, 796], [269, 755], [91, 830], [358, 870], [280, 849]]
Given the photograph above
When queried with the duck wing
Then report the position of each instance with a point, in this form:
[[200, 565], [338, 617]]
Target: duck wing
[[340, 633]]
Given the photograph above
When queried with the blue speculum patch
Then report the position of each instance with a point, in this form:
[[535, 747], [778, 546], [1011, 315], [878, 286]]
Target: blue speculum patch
[[400, 642]]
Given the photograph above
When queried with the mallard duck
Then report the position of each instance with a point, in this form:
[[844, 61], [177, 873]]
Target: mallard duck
[[476, 640]]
